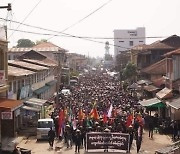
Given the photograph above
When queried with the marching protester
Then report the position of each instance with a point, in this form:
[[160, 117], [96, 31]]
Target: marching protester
[[95, 104], [77, 140], [51, 136]]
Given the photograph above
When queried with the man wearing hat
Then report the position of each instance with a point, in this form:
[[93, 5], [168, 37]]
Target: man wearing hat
[[77, 140], [106, 139]]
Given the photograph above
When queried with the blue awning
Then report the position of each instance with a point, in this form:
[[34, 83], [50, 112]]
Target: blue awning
[[41, 90], [51, 83]]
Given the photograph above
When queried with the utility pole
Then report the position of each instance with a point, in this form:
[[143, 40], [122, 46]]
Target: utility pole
[[8, 7]]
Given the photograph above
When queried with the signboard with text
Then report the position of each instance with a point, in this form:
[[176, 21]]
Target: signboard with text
[[107, 140], [6, 115]]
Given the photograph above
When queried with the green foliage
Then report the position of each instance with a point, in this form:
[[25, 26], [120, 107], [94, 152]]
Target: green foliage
[[40, 41], [129, 72], [73, 73], [23, 43]]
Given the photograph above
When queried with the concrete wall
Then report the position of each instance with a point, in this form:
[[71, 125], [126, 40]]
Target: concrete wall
[[127, 36]]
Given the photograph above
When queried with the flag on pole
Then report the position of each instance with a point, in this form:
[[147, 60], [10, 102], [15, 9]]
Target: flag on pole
[[110, 111], [81, 115], [61, 122], [129, 120], [105, 117], [94, 113]]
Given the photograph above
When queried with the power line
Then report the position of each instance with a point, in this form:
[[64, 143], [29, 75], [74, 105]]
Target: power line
[[26, 17], [37, 33], [84, 17], [70, 35]]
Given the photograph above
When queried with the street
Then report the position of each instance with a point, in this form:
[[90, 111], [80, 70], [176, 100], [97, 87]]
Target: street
[[42, 147]]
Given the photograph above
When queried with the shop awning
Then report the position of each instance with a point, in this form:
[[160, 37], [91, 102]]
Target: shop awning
[[164, 93], [153, 102], [36, 101], [10, 104], [41, 90], [174, 103], [51, 83], [30, 108], [150, 88], [141, 82], [135, 86]]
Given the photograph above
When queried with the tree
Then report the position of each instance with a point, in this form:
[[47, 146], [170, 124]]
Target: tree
[[22, 43], [40, 41], [130, 72]]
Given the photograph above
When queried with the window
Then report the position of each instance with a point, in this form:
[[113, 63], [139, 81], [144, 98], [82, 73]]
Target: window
[[131, 43], [10, 86], [19, 85], [22, 83], [121, 41], [141, 41], [14, 86]]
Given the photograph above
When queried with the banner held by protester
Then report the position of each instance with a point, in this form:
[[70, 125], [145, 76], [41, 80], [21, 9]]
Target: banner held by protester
[[107, 140]]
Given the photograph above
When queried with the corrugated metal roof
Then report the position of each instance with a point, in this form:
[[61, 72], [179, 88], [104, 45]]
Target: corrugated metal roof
[[45, 62], [25, 65], [30, 108], [175, 103], [156, 68], [150, 102], [43, 49], [15, 71], [10, 104], [36, 101], [164, 93], [150, 88]]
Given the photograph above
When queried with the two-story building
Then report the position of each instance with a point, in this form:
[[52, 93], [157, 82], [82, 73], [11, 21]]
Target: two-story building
[[9, 108]]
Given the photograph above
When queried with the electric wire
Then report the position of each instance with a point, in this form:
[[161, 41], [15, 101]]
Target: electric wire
[[74, 36], [25, 17], [70, 35], [79, 21]]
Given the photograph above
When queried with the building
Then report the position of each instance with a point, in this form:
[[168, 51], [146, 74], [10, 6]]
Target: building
[[9, 108], [32, 77], [144, 56], [47, 49], [128, 38], [76, 61]]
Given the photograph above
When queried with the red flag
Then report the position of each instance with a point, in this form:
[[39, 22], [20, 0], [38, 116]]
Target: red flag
[[61, 121], [129, 120], [94, 113], [140, 120], [81, 115], [105, 117]]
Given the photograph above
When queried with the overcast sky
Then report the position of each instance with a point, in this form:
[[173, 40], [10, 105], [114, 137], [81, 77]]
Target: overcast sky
[[159, 17]]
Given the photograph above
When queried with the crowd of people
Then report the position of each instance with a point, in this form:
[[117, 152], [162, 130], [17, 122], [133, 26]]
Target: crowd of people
[[98, 103]]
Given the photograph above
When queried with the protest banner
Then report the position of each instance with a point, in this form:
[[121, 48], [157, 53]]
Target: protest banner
[[106, 141]]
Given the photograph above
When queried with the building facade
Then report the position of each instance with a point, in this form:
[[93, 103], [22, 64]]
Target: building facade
[[126, 39]]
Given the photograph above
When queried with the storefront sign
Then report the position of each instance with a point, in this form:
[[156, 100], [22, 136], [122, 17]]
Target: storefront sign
[[104, 140], [6, 115]]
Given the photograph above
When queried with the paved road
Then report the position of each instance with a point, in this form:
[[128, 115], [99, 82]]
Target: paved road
[[42, 147]]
